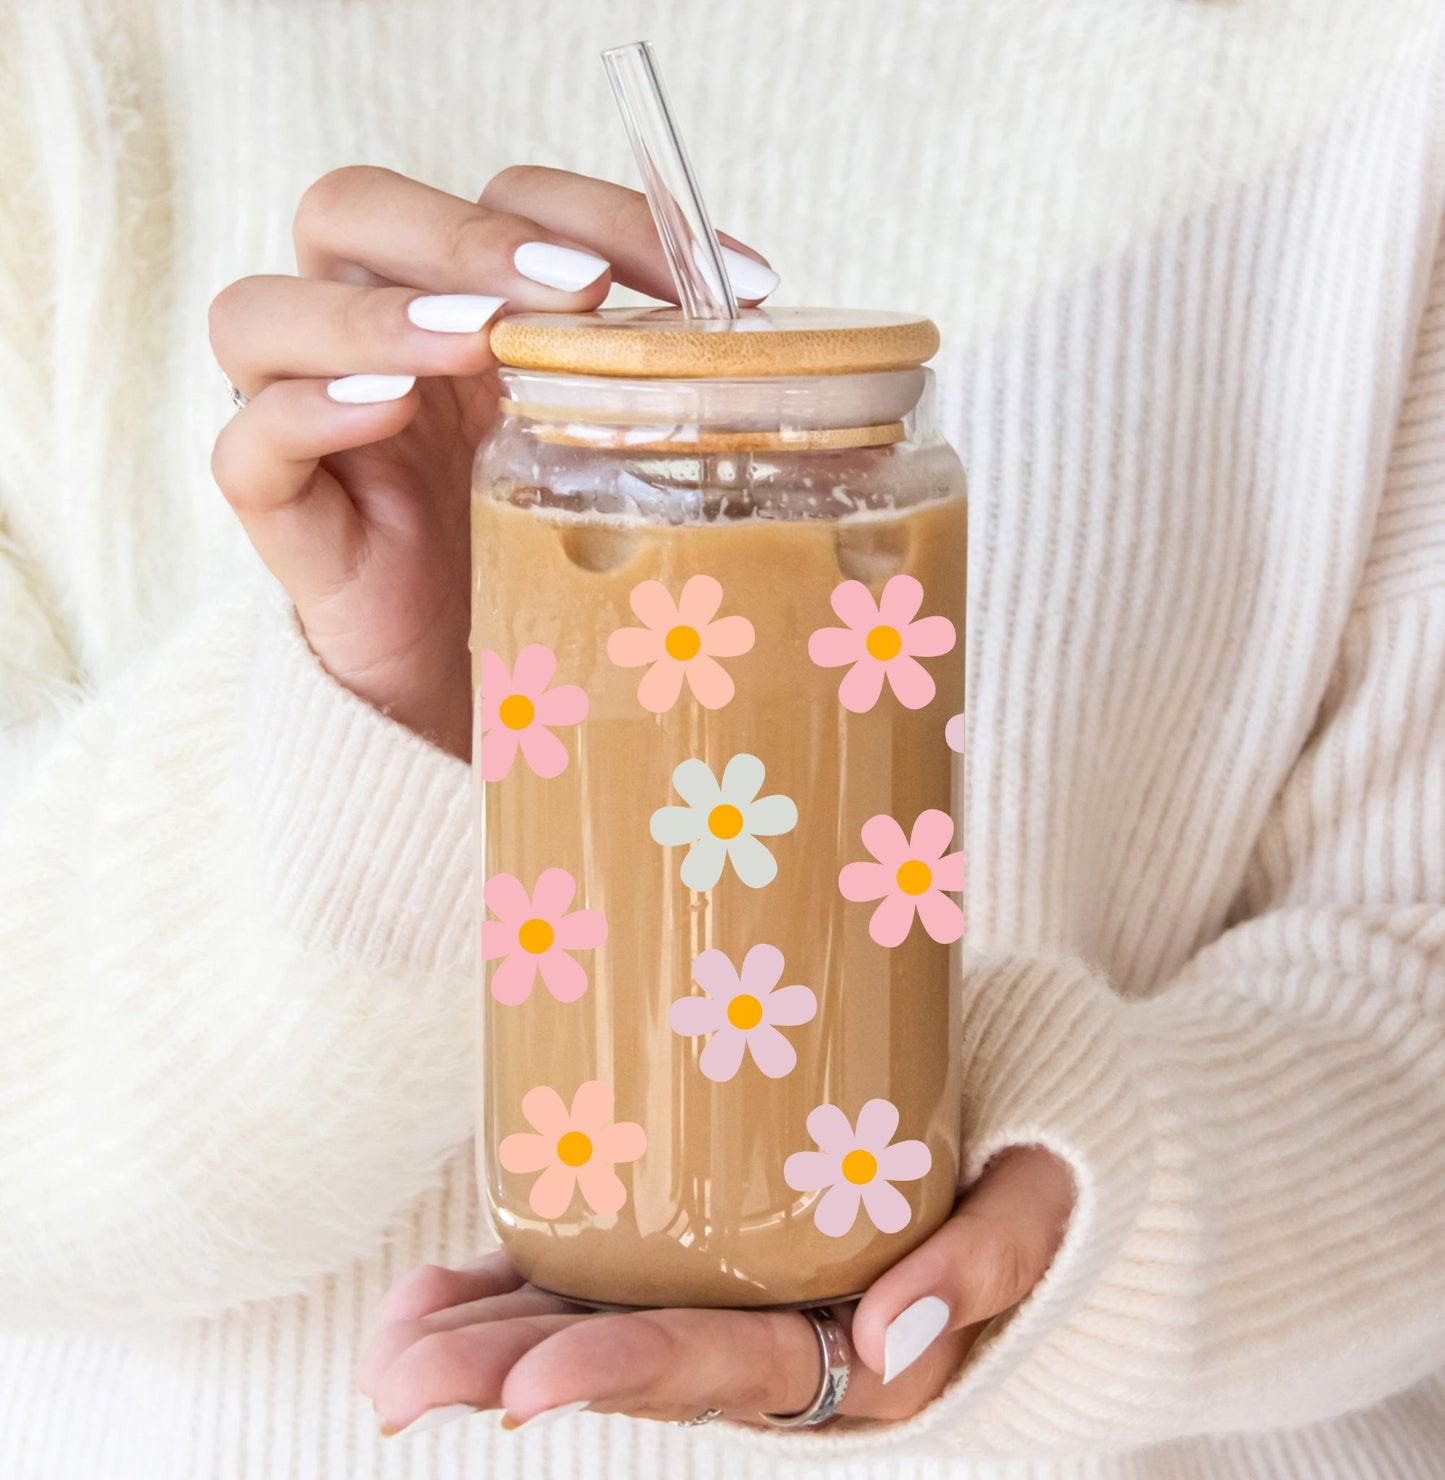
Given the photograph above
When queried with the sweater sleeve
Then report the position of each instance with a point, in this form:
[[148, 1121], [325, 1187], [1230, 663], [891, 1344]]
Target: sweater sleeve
[[234, 908], [1258, 1234], [1258, 1150]]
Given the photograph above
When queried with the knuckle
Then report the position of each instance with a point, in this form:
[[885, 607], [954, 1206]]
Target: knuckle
[[632, 216], [1004, 1276], [224, 469], [475, 235], [360, 316], [325, 197], [230, 307], [513, 181], [652, 1340], [427, 1366], [428, 1288]]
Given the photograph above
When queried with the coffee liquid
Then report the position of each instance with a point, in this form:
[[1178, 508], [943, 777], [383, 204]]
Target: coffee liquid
[[706, 1216]]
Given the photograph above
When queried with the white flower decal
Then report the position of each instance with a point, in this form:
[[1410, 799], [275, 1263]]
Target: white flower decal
[[723, 822]]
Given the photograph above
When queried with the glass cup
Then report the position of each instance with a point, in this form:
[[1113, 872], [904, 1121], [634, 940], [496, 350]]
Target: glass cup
[[717, 641]]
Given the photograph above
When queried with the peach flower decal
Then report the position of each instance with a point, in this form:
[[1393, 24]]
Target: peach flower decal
[[858, 1167], [913, 877], [743, 1010], [573, 1149], [534, 932], [518, 711], [953, 733], [681, 639], [882, 640]]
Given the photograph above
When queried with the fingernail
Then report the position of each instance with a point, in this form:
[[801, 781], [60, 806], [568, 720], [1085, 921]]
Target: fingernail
[[546, 1416], [453, 313], [433, 1418], [558, 267], [749, 279], [363, 390], [910, 1333]]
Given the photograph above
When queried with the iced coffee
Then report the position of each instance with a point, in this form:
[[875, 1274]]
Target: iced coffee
[[715, 663]]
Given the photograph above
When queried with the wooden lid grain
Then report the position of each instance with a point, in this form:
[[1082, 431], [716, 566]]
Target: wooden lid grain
[[656, 343]]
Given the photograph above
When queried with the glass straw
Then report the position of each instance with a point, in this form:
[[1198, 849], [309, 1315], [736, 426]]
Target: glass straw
[[688, 240]]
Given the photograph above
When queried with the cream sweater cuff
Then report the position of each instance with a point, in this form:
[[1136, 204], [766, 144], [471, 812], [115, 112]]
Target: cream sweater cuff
[[362, 829], [1042, 1064]]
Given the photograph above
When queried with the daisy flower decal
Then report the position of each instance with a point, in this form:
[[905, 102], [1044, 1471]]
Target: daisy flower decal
[[953, 733], [858, 1165], [679, 640], [723, 821], [743, 1010], [913, 876], [519, 711], [881, 639], [534, 933], [573, 1149]]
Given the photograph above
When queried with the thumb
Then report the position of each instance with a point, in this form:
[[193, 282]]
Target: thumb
[[984, 1260]]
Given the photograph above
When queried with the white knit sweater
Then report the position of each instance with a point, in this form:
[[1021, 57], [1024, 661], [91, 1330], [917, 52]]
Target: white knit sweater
[[1187, 257]]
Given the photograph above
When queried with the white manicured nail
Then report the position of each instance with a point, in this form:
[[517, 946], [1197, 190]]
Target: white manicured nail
[[550, 1415], [363, 390], [749, 279], [558, 267], [453, 313], [910, 1333], [435, 1418]]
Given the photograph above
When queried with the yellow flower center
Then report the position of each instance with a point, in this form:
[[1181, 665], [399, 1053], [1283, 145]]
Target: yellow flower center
[[536, 936], [574, 1149], [682, 643], [914, 877], [725, 821], [860, 1166], [516, 711], [745, 1011], [884, 643]]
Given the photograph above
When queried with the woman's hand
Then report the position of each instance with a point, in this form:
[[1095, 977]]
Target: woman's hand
[[370, 384], [479, 1337]]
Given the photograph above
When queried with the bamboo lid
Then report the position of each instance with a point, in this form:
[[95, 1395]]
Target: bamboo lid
[[657, 343]]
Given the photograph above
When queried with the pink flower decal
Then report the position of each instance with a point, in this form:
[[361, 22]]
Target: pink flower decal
[[534, 932], [882, 640], [573, 1148], [913, 876], [953, 733], [743, 1010], [857, 1166], [518, 711], [681, 639]]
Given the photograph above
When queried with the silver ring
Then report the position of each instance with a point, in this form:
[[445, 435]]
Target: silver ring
[[833, 1347], [694, 1423], [239, 399]]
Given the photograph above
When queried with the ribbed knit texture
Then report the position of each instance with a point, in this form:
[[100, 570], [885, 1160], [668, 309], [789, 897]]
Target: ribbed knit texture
[[1188, 262]]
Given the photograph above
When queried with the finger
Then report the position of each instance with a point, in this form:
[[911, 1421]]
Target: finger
[[300, 520], [616, 222], [982, 1262], [360, 224], [466, 1366], [675, 1364], [433, 1287], [669, 1364], [392, 1338], [279, 328]]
